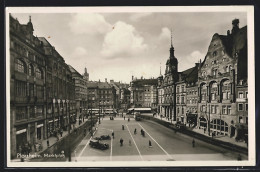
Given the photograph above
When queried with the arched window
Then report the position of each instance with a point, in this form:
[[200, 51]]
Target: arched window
[[20, 66], [38, 73], [30, 70], [203, 91]]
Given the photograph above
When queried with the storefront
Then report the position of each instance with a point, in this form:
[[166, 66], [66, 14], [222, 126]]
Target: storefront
[[192, 118], [39, 133], [21, 136]]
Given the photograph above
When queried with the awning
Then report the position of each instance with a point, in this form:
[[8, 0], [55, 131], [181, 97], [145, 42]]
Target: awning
[[21, 131]]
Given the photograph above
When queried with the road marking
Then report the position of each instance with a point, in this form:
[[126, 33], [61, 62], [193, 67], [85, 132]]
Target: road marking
[[156, 142], [111, 149], [135, 143], [86, 144]]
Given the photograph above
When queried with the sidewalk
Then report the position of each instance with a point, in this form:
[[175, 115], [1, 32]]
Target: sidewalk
[[200, 131], [52, 140]]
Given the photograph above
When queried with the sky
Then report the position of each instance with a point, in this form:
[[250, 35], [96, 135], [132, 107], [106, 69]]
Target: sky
[[121, 45]]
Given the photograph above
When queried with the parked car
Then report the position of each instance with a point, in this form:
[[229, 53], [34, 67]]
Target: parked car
[[103, 137], [180, 125], [98, 145]]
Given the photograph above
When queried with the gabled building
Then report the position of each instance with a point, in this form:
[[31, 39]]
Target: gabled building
[[222, 77]]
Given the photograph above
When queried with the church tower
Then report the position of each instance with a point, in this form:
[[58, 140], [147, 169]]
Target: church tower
[[171, 66], [86, 75]]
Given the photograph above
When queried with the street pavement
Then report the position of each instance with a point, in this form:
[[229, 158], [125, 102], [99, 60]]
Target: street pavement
[[166, 144]]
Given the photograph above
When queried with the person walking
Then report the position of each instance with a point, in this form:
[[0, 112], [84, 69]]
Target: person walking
[[123, 127], [193, 143], [121, 142], [130, 143], [150, 144], [61, 132], [113, 135], [135, 131], [85, 131], [48, 143], [128, 119]]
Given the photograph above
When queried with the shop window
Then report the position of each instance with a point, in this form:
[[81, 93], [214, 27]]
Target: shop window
[[21, 113]]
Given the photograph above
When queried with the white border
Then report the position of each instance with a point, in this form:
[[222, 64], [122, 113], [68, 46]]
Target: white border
[[251, 84]]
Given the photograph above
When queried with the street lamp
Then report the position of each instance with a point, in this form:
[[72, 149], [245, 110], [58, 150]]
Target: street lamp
[[91, 116], [99, 112]]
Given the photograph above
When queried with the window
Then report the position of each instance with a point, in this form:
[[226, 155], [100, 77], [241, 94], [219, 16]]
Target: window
[[229, 110], [178, 89], [246, 95], [240, 107], [182, 110], [30, 71], [182, 88], [224, 110], [38, 73], [213, 96], [21, 113], [246, 107], [228, 95], [178, 110], [203, 108], [21, 88], [20, 66], [213, 109], [227, 69], [214, 53], [240, 95], [182, 99], [178, 99]]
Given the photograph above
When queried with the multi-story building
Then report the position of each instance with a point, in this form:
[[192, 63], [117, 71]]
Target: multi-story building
[[27, 86], [41, 87], [192, 96], [125, 99], [224, 67], [160, 98], [60, 90], [101, 95], [80, 92], [143, 92], [119, 87]]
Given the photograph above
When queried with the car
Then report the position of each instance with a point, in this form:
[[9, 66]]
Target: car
[[98, 145], [103, 137], [180, 126]]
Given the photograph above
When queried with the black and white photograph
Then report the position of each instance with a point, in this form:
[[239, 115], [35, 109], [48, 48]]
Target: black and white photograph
[[130, 86]]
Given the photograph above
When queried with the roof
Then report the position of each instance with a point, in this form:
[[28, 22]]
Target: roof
[[104, 85], [91, 84], [74, 70], [142, 82]]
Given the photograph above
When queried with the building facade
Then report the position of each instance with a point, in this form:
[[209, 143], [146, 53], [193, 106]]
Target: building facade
[[143, 93], [223, 68], [80, 92], [41, 88]]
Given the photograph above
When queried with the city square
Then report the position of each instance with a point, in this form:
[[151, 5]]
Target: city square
[[135, 87]]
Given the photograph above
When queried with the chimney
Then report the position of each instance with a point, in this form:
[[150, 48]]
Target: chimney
[[111, 81], [132, 77], [235, 24], [105, 79], [99, 80]]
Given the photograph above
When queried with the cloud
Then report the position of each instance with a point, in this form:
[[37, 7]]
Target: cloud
[[138, 16], [122, 41], [80, 51], [165, 34], [190, 60], [89, 23]]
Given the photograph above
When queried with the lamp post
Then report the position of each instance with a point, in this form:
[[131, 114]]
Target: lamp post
[[91, 131], [99, 112]]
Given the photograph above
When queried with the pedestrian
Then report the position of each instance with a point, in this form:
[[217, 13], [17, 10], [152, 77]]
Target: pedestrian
[[124, 117], [113, 135], [121, 142], [193, 143], [130, 142], [61, 132], [48, 143], [239, 158], [123, 127], [135, 131], [57, 137], [150, 144], [204, 130], [128, 119]]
